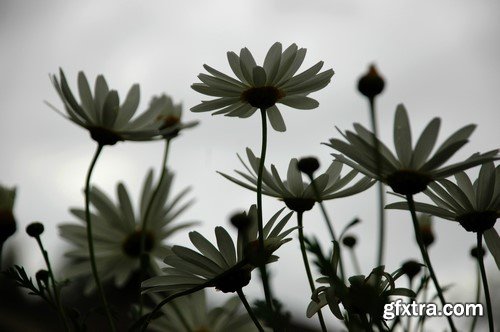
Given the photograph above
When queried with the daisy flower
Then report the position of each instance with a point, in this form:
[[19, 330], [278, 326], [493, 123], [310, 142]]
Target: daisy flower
[[226, 267], [262, 87], [117, 231], [474, 205], [169, 117], [192, 310], [298, 195], [412, 169], [102, 115]]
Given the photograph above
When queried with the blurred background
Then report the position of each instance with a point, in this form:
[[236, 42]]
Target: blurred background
[[438, 58]]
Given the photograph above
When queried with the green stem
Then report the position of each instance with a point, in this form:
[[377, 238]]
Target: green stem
[[306, 265], [380, 186], [249, 310], [426, 258], [480, 260], [55, 289], [90, 240], [478, 296], [144, 257], [328, 223], [355, 261], [262, 267]]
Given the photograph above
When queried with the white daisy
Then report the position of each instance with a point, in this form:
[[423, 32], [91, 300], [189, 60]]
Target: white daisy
[[117, 231], [169, 117], [192, 310], [412, 170], [226, 267], [262, 87], [298, 195], [102, 115]]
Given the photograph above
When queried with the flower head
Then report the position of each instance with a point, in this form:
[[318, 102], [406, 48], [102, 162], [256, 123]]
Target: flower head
[[7, 221], [412, 169], [474, 205], [198, 317], [102, 115], [169, 117], [117, 230], [363, 296], [226, 267], [262, 87], [298, 195]]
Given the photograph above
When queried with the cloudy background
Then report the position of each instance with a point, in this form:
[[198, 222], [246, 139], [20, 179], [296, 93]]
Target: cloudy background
[[439, 58]]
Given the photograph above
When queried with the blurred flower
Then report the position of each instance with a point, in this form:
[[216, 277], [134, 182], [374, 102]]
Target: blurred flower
[[102, 115], [7, 220], [425, 228], [296, 194], [371, 84], [476, 206], [225, 267], [117, 231], [192, 310], [411, 268], [412, 170], [261, 87], [169, 117]]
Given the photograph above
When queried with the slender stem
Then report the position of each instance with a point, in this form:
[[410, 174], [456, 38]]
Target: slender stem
[[486, 289], [478, 296], [355, 261], [306, 265], [144, 257], [57, 294], [262, 267], [426, 258], [380, 186], [408, 318], [249, 310], [329, 223], [421, 320], [90, 240]]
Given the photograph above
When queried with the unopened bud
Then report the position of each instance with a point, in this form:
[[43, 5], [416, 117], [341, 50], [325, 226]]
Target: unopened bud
[[477, 252], [241, 221], [349, 241], [411, 268], [35, 229], [371, 84], [308, 165]]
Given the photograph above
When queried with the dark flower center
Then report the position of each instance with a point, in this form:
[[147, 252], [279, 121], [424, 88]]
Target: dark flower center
[[299, 204], [132, 244], [478, 221], [365, 299], [262, 97], [104, 136], [234, 281], [408, 182]]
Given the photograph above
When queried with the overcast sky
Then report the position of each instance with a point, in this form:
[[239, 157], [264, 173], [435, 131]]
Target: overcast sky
[[440, 58]]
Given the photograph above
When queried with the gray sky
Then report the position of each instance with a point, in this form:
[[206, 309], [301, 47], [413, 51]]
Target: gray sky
[[439, 58]]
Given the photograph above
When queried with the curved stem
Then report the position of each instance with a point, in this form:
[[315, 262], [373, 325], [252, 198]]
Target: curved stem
[[57, 294], [306, 265], [380, 186], [144, 257], [426, 258], [328, 223], [262, 267], [478, 296], [480, 260], [90, 240], [249, 310]]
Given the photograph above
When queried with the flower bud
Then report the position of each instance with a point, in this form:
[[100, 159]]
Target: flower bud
[[35, 229], [42, 277], [349, 241], [308, 165], [241, 221], [371, 84], [411, 268], [477, 252], [425, 227]]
